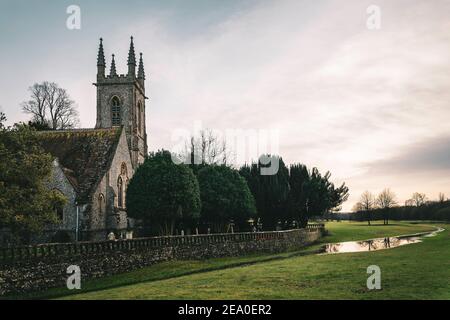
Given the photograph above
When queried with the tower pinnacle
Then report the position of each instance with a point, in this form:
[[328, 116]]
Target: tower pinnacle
[[112, 72], [101, 61], [141, 72], [131, 60], [121, 100], [101, 55]]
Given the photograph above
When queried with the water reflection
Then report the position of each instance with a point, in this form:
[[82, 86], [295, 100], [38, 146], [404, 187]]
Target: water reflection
[[377, 244], [370, 245], [432, 234]]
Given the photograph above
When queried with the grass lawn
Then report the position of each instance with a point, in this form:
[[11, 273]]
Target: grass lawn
[[418, 271]]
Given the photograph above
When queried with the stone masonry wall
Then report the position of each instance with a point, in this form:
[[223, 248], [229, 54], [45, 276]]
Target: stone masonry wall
[[47, 268], [110, 218]]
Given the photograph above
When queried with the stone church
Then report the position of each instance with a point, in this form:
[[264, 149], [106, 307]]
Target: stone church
[[92, 167]]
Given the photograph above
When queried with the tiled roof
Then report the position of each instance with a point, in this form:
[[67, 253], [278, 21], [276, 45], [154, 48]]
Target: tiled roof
[[84, 154]]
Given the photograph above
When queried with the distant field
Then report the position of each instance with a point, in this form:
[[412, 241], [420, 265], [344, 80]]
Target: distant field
[[418, 271], [349, 231]]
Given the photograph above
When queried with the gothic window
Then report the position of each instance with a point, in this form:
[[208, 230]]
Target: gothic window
[[60, 213], [120, 192], [115, 111], [123, 169], [101, 203], [59, 209], [139, 117], [122, 182]]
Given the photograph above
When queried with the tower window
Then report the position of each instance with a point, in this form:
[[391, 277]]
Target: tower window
[[115, 111], [139, 117]]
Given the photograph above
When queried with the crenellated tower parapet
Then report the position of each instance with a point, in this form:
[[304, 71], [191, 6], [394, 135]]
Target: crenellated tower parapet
[[121, 101]]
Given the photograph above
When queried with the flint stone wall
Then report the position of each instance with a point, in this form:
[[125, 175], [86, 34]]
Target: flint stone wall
[[37, 268]]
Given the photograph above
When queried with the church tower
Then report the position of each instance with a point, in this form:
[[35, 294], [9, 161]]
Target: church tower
[[121, 101]]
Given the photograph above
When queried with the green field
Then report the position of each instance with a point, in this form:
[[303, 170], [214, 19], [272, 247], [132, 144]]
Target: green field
[[417, 271]]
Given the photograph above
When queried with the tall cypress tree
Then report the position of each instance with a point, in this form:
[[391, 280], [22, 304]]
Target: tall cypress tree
[[298, 195], [270, 191]]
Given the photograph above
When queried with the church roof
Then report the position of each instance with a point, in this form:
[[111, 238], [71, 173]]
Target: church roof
[[84, 154]]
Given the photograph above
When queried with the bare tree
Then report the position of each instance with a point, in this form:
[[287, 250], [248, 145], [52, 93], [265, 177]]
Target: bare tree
[[441, 197], [367, 201], [51, 105], [37, 104], [208, 148], [357, 207], [386, 200], [418, 199]]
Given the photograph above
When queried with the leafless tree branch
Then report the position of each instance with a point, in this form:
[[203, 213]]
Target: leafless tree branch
[[49, 104]]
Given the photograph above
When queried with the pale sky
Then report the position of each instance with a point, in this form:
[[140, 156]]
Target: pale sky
[[371, 106]]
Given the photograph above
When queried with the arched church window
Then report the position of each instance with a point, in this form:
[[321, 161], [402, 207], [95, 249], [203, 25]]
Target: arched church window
[[120, 192], [115, 111], [139, 117], [123, 169], [101, 203], [122, 182], [60, 212]]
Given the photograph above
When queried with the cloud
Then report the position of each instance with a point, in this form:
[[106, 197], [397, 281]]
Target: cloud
[[345, 98], [432, 155]]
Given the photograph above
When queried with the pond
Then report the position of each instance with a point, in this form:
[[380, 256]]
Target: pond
[[377, 244]]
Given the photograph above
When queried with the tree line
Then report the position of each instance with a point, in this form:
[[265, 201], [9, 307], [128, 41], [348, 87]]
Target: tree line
[[214, 197], [293, 195], [208, 194], [385, 206]]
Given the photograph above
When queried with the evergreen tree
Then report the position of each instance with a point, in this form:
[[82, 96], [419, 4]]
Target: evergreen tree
[[225, 197], [292, 196], [270, 191], [163, 193], [298, 195], [26, 205]]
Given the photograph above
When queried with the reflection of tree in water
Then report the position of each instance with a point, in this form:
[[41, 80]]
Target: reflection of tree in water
[[333, 247], [365, 244], [394, 242], [384, 243], [387, 242], [408, 240], [376, 244], [369, 245]]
